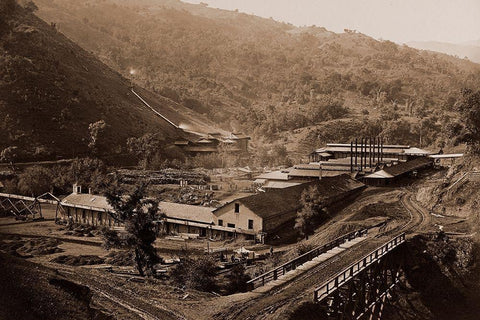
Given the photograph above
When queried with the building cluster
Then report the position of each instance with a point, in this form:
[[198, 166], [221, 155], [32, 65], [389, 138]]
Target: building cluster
[[252, 217], [370, 163], [214, 143], [337, 171]]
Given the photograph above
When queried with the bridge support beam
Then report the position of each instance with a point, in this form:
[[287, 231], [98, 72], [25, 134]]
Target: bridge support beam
[[361, 290]]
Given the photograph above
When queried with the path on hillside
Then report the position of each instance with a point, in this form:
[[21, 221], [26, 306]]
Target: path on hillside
[[153, 109]]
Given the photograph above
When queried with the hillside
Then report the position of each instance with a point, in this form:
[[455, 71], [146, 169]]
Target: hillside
[[51, 90], [469, 50], [264, 77]]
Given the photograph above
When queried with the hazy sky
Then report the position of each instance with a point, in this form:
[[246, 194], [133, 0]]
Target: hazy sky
[[396, 20]]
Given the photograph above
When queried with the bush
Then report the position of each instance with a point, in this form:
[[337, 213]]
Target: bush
[[196, 273], [238, 280], [304, 248]]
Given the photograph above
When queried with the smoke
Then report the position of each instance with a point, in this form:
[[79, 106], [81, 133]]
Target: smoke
[[185, 126]]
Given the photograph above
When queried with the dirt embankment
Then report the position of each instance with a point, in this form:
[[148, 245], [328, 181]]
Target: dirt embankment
[[441, 280], [31, 291]]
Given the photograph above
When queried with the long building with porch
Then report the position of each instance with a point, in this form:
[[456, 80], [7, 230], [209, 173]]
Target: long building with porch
[[91, 209]]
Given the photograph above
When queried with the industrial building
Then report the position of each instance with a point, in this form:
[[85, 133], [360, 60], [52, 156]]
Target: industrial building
[[214, 143], [265, 212], [90, 209]]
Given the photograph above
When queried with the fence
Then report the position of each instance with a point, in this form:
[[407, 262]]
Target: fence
[[341, 278], [294, 263]]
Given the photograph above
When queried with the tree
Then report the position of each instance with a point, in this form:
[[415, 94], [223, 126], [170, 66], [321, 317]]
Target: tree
[[312, 210], [469, 107], [138, 214], [88, 172], [238, 279], [145, 148], [35, 181], [30, 6], [95, 129], [9, 154], [7, 7], [197, 273]]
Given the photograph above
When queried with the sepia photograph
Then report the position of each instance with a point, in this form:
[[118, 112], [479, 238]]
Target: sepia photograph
[[239, 159]]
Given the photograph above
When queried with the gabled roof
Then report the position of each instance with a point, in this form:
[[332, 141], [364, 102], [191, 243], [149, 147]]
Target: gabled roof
[[239, 136], [170, 209], [280, 184], [446, 156], [401, 168], [92, 201], [312, 173], [274, 202], [187, 212], [408, 166], [274, 175], [181, 142], [382, 174], [416, 151], [203, 140]]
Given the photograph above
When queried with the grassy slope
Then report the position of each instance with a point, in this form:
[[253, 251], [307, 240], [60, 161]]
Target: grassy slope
[[51, 90], [240, 58], [237, 65]]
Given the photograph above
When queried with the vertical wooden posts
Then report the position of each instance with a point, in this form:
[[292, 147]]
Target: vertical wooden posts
[[351, 156], [370, 151], [361, 154], [356, 154]]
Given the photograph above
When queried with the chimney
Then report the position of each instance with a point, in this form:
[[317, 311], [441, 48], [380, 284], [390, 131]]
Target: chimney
[[77, 188], [319, 171]]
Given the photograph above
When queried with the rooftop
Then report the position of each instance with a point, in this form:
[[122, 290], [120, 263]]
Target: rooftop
[[274, 175], [401, 168], [187, 212], [92, 201], [170, 209], [277, 201]]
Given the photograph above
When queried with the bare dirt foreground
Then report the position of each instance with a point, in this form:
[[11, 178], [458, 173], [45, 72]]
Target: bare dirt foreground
[[47, 274]]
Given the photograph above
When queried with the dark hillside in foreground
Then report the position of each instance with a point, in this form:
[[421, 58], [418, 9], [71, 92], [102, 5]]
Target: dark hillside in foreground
[[51, 90]]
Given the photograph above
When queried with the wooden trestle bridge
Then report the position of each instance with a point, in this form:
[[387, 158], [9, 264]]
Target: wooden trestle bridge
[[361, 289], [24, 208]]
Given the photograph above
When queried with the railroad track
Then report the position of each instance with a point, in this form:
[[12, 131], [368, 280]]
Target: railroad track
[[103, 286], [417, 218], [293, 293], [273, 305]]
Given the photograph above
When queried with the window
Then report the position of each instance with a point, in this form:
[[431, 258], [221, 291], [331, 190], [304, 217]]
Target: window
[[237, 207], [220, 222], [231, 225], [250, 224]]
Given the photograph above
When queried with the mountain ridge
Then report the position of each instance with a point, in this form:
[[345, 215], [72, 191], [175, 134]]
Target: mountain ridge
[[470, 49]]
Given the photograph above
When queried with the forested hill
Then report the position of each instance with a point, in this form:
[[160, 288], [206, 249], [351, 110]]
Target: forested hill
[[261, 76], [56, 99]]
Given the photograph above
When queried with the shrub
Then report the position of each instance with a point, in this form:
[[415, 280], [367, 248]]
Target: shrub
[[197, 273], [238, 279]]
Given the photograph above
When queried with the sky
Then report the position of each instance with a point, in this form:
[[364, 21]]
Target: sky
[[400, 21]]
